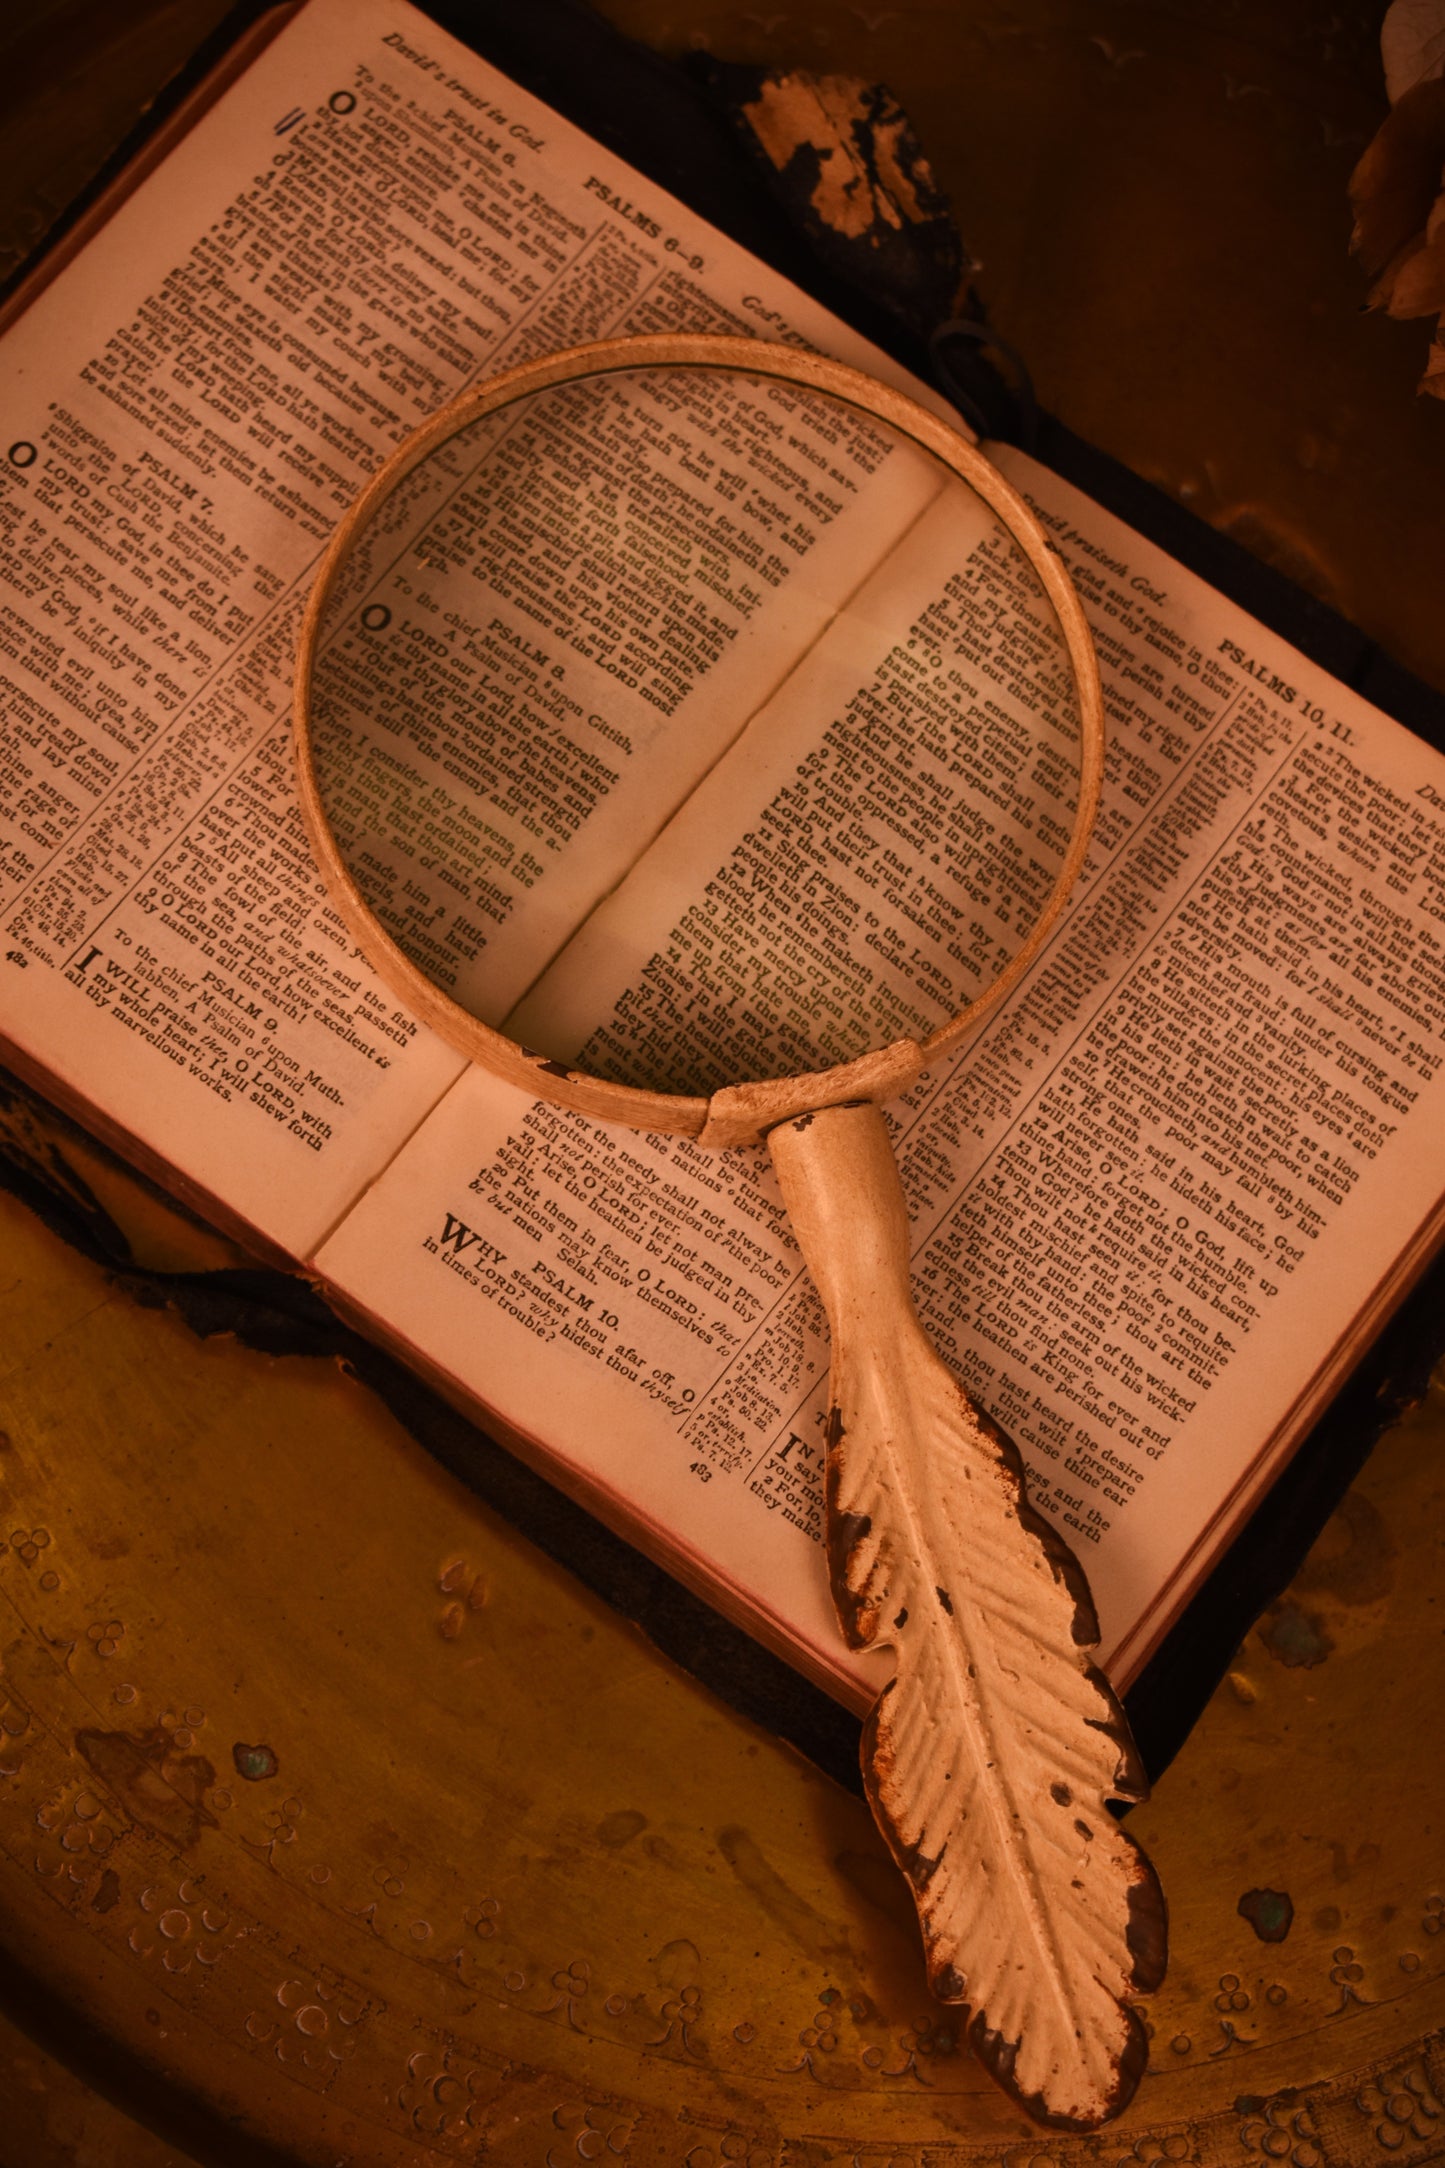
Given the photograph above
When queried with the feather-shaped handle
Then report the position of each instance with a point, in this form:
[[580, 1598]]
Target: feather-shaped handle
[[990, 1754]]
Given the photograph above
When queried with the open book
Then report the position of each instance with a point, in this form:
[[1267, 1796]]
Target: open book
[[1160, 1204]]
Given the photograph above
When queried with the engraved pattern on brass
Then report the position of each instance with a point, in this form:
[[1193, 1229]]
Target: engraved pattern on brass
[[528, 1888]]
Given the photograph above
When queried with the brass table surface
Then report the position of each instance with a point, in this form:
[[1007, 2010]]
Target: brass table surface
[[336, 1825]]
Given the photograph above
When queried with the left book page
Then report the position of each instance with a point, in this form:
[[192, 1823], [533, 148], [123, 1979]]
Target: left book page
[[367, 222]]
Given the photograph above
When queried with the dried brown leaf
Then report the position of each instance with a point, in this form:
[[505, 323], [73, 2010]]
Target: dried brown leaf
[[1382, 293], [1399, 205], [1412, 44], [1433, 381], [1414, 284], [1394, 186]]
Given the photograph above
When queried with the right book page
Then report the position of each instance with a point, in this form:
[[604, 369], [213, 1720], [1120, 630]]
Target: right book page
[[1158, 1203]]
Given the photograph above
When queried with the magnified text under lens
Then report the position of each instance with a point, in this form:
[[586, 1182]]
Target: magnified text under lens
[[618, 740]]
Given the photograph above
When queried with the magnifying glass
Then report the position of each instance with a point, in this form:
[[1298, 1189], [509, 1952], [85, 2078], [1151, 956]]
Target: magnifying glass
[[702, 735]]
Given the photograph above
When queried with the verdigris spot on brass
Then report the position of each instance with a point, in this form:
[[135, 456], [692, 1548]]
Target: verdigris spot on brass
[[1270, 1912], [254, 1763], [1295, 1636]]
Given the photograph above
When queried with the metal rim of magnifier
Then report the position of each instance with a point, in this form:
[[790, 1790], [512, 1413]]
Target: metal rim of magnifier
[[739, 1113]]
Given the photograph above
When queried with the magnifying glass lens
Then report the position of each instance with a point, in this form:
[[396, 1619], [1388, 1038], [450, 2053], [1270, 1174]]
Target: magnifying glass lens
[[695, 727]]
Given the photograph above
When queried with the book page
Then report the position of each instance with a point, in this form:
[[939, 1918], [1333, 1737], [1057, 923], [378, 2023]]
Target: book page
[[1150, 1201], [889, 864], [368, 221], [559, 624]]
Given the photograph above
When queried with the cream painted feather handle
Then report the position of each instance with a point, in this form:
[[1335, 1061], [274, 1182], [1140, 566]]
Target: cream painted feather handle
[[990, 1754]]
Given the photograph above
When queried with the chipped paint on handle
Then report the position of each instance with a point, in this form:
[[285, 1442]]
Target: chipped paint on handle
[[991, 1754]]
